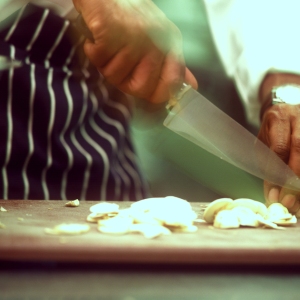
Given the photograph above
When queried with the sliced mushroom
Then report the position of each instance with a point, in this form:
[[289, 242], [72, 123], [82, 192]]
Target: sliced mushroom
[[268, 224], [286, 222], [184, 229], [104, 208], [161, 203], [73, 203], [246, 216], [214, 207], [181, 218], [170, 210], [256, 206], [226, 219], [116, 225], [95, 217], [150, 231], [277, 212], [141, 217]]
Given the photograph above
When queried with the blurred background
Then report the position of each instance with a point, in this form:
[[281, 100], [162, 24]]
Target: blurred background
[[171, 164]]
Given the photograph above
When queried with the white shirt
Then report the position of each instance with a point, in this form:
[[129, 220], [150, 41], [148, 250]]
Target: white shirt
[[254, 37], [61, 7]]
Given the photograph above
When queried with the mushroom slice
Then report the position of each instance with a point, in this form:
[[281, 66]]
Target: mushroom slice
[[181, 218], [277, 208], [92, 218], [144, 217], [226, 219], [71, 229], [147, 204], [256, 206], [2, 209], [73, 203], [286, 222], [214, 207], [246, 216], [278, 212], [95, 217], [184, 229], [268, 223], [169, 203], [169, 210], [104, 208], [150, 231], [116, 225]]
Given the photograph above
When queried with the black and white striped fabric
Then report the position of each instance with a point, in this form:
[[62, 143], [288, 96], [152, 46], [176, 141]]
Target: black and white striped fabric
[[63, 134]]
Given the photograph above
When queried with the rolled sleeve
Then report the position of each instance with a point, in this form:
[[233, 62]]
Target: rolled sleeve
[[254, 38]]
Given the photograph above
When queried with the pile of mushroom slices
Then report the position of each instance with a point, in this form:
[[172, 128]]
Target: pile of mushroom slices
[[151, 217], [228, 213]]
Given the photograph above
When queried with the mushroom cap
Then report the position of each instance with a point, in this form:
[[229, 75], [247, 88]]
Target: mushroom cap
[[214, 207]]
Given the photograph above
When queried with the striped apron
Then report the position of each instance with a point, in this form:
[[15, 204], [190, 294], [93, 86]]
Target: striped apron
[[63, 133]]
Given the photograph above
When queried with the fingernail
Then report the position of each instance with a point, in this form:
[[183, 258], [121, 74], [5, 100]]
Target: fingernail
[[273, 195], [288, 201]]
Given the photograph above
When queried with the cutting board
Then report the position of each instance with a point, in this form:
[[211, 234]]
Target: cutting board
[[24, 239]]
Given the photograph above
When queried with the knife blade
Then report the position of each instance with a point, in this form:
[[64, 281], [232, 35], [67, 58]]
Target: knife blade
[[198, 120]]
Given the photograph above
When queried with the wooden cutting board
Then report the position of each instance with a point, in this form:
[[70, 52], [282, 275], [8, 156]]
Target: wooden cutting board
[[23, 238]]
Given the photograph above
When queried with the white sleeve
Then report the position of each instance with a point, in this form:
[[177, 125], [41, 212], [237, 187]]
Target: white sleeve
[[254, 37]]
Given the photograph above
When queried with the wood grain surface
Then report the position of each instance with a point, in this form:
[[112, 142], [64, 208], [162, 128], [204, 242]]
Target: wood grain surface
[[24, 239]]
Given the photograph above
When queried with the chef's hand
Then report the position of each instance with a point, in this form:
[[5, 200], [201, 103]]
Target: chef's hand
[[280, 131], [136, 47]]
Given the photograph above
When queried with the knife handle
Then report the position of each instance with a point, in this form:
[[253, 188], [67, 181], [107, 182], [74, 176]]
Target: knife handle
[[174, 100]]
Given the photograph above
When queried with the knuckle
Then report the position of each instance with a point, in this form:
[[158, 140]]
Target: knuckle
[[282, 150]]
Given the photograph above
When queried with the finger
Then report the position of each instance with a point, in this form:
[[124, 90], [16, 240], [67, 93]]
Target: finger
[[144, 78], [294, 158], [171, 78], [279, 137], [120, 66], [293, 210], [99, 54], [271, 193], [190, 79], [275, 133], [291, 198]]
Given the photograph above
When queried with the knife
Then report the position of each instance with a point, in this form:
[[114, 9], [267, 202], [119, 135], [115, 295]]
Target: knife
[[198, 120]]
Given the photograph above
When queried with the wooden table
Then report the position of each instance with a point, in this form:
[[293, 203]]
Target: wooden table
[[24, 239]]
